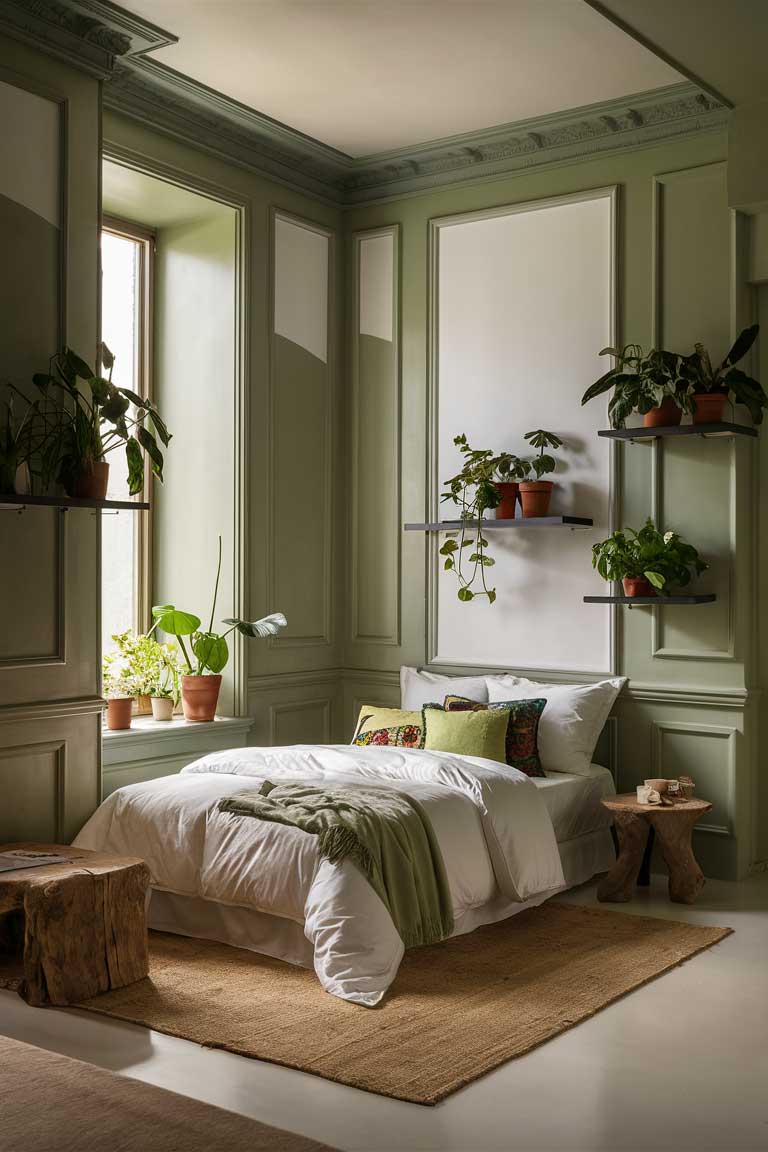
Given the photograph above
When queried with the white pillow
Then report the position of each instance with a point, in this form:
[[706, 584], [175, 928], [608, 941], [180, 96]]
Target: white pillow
[[572, 719], [420, 688]]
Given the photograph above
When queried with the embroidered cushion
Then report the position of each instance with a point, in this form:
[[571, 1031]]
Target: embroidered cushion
[[396, 727], [522, 750], [467, 733]]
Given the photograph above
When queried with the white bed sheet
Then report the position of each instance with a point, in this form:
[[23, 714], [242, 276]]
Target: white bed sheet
[[573, 802]]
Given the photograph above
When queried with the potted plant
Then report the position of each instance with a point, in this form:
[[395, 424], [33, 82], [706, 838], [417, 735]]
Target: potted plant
[[201, 676], [163, 703], [509, 471], [98, 421], [474, 489], [711, 387], [647, 561], [645, 382], [535, 495], [16, 447], [120, 692], [149, 665]]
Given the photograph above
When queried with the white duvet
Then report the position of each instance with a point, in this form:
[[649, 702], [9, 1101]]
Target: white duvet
[[492, 825]]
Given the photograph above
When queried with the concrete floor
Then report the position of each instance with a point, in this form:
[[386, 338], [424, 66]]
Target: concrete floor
[[679, 1064]]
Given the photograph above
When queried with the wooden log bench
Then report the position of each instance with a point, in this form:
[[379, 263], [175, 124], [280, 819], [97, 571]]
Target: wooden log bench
[[70, 931]]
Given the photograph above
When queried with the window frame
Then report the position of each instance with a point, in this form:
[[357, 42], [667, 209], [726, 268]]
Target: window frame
[[146, 239]]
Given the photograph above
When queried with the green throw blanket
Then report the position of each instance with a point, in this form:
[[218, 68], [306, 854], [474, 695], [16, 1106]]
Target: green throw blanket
[[387, 834]]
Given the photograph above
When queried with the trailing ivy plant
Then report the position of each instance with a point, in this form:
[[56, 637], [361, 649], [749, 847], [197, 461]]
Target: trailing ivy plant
[[210, 651], [665, 560], [700, 376], [640, 381], [475, 489]]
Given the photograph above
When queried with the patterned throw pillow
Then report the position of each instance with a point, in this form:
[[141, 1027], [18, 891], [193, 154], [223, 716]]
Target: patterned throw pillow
[[393, 727], [402, 736], [524, 715]]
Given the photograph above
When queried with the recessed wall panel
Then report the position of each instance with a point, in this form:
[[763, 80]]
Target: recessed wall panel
[[523, 302]]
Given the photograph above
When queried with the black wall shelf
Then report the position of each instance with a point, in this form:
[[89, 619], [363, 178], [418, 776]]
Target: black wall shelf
[[642, 435], [655, 601], [19, 503], [493, 524]]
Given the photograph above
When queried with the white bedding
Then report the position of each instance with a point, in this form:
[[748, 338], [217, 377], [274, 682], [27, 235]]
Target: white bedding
[[492, 824], [573, 801]]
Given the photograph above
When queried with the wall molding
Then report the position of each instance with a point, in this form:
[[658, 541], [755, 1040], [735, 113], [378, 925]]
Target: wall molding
[[279, 680], [167, 101], [91, 34], [293, 706], [394, 550], [711, 731], [52, 709]]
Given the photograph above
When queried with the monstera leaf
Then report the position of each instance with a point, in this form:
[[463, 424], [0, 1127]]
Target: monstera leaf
[[211, 651], [173, 621], [267, 626]]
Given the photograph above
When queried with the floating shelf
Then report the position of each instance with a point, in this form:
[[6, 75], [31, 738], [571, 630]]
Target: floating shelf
[[493, 525], [655, 601], [12, 500], [644, 435]]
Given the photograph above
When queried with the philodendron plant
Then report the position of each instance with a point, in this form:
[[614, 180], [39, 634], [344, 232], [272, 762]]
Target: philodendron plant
[[208, 651], [664, 560], [474, 490], [640, 381]]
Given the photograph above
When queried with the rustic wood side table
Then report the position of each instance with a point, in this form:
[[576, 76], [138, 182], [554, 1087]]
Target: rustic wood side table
[[673, 826], [70, 931]]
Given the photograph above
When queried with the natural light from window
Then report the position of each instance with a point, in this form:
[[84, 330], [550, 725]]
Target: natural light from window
[[120, 329]]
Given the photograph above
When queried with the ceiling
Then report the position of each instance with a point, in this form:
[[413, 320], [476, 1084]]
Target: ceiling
[[370, 76], [722, 44]]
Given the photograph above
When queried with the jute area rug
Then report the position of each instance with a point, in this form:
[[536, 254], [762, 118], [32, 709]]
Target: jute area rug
[[52, 1103], [455, 1011]]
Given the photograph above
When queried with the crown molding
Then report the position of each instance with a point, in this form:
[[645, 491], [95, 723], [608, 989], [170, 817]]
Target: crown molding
[[91, 34], [167, 101]]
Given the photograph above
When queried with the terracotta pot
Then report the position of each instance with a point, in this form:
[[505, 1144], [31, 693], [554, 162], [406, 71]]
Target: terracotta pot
[[199, 696], [119, 713], [664, 415], [535, 496], [637, 586], [162, 708], [708, 407], [92, 483], [510, 490]]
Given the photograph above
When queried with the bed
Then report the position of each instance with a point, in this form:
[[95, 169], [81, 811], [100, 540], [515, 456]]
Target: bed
[[509, 842]]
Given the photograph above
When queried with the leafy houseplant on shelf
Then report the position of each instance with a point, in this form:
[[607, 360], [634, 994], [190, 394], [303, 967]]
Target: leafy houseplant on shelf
[[647, 561], [535, 495], [201, 676], [647, 382], [475, 490], [17, 442], [711, 387], [98, 420]]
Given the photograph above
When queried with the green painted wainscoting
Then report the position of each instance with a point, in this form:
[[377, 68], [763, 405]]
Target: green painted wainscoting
[[691, 702], [50, 708]]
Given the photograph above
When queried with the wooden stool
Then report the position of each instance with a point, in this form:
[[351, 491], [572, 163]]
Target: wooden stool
[[673, 825], [69, 931]]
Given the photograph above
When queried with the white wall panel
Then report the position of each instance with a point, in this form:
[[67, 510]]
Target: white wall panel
[[301, 286], [524, 301]]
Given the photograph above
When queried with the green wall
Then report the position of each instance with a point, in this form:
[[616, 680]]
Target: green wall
[[50, 708], [691, 703]]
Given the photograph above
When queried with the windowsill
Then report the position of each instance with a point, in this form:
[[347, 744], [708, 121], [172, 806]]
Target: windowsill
[[146, 727]]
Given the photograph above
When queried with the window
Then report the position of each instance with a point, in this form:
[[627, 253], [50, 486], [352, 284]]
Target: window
[[126, 299]]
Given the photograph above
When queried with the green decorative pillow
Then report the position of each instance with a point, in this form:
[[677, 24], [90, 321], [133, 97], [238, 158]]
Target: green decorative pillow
[[467, 733], [396, 727], [522, 750]]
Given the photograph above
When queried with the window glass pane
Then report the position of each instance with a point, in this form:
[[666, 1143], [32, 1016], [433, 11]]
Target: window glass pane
[[120, 318]]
